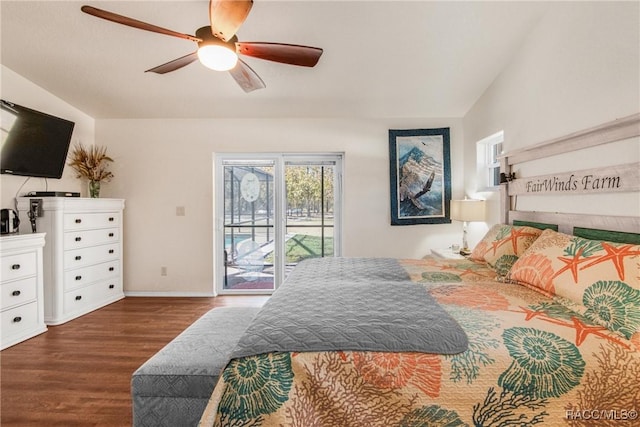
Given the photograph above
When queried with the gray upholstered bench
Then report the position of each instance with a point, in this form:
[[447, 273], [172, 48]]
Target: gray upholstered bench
[[173, 387]]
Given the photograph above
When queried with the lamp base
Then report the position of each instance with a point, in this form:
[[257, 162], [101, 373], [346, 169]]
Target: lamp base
[[465, 243]]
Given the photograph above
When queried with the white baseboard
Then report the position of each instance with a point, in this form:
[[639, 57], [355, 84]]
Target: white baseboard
[[168, 294]]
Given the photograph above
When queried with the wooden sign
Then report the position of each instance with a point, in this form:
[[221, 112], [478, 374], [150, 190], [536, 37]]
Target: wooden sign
[[619, 178]]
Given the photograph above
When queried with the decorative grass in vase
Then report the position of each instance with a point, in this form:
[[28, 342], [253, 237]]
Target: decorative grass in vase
[[92, 164]]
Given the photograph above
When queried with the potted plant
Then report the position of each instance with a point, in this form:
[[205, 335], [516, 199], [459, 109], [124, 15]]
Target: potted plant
[[93, 164]]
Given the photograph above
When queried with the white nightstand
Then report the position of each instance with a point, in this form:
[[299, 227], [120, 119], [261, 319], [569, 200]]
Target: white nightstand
[[446, 253]]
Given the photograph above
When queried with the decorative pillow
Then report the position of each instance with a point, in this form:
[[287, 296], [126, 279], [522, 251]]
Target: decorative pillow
[[599, 279], [503, 244]]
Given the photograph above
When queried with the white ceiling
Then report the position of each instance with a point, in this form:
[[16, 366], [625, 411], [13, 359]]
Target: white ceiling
[[381, 58]]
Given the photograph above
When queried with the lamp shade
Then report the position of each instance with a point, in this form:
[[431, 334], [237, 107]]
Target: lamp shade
[[468, 210]]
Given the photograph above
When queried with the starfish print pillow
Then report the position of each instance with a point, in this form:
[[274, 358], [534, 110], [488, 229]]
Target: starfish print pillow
[[503, 244], [598, 279]]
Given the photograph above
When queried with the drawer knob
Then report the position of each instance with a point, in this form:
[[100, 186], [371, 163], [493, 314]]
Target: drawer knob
[[15, 267], [78, 297], [15, 293], [111, 268], [112, 286], [78, 239], [110, 234], [17, 319], [78, 257], [111, 219], [78, 277], [78, 220], [111, 251]]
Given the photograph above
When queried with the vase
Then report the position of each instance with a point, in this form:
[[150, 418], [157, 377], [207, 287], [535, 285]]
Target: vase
[[94, 189]]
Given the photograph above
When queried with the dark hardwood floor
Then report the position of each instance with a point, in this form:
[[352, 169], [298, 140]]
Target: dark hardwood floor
[[79, 373]]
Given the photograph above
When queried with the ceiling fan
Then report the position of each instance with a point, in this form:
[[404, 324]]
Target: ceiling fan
[[218, 45]]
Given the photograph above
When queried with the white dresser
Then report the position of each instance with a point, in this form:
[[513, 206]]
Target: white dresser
[[21, 290], [83, 254]]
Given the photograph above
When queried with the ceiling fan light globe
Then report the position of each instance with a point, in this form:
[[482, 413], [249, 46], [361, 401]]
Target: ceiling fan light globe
[[219, 58]]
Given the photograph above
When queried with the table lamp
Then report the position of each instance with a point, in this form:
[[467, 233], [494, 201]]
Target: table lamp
[[467, 210]]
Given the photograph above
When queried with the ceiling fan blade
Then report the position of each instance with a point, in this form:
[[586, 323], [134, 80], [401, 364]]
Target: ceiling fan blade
[[175, 64], [292, 54], [114, 17], [246, 77], [226, 16]]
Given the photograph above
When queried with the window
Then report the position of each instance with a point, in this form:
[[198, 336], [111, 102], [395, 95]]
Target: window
[[488, 163], [274, 211]]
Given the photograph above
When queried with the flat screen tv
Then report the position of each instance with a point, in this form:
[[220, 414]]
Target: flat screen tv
[[33, 143]]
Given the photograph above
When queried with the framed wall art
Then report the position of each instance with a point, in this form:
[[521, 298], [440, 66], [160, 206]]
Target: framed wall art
[[420, 172]]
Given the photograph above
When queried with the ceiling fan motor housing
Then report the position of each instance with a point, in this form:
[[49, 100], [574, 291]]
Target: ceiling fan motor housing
[[207, 37]]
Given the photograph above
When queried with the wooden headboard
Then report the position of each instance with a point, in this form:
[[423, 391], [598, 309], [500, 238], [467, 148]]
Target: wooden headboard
[[618, 178]]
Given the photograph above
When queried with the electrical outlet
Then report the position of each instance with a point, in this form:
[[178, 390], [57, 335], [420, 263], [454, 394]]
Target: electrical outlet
[[180, 211], [163, 271]]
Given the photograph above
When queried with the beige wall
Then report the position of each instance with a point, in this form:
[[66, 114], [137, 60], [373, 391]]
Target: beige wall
[[162, 164], [580, 67]]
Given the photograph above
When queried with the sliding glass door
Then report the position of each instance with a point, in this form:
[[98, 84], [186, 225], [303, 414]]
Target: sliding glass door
[[248, 230], [310, 211], [273, 211]]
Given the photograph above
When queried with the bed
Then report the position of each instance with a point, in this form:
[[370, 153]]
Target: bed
[[540, 325]]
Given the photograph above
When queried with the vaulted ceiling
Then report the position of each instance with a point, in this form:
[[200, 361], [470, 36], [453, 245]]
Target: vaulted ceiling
[[381, 58]]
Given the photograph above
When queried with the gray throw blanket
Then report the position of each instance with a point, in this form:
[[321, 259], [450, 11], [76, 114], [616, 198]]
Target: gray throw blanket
[[359, 304]]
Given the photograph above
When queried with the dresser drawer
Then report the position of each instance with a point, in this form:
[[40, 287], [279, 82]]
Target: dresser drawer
[[80, 300], [87, 256], [83, 239], [83, 276], [18, 265], [18, 320], [77, 300], [85, 221], [107, 289], [18, 292]]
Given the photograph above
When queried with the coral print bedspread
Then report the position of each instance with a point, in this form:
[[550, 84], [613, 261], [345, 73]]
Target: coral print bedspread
[[529, 361]]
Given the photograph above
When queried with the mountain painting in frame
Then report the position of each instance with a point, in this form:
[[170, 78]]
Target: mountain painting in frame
[[420, 172]]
